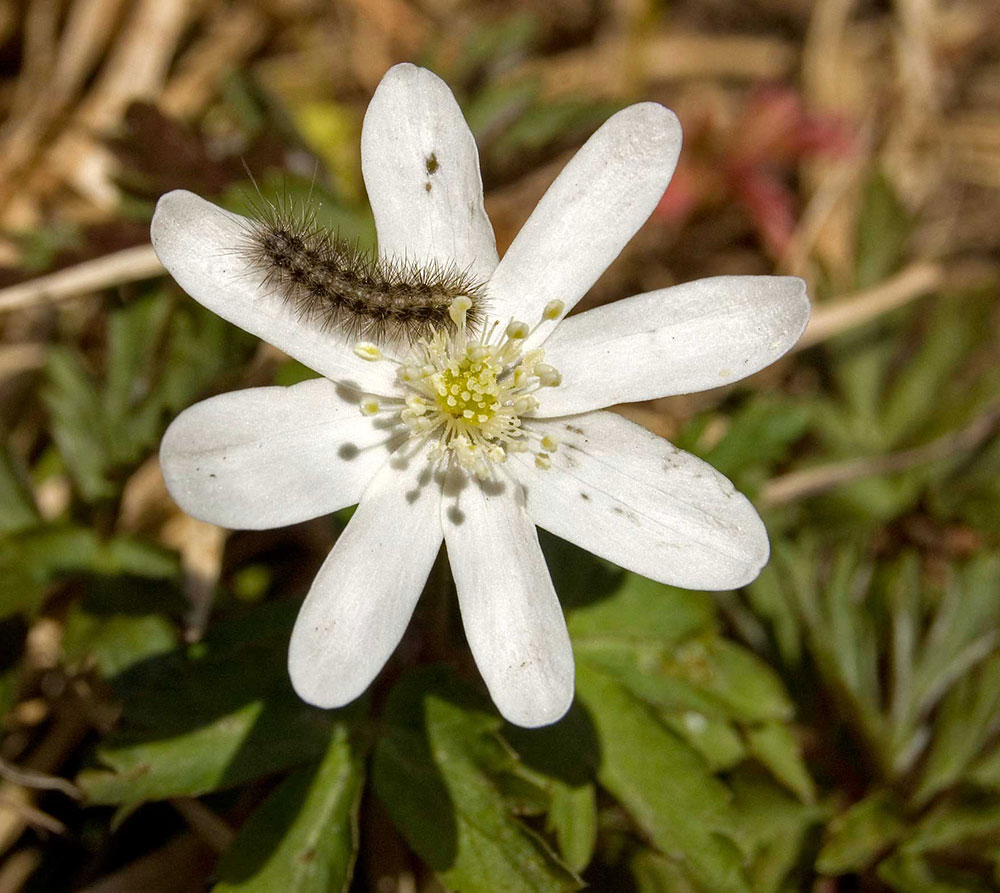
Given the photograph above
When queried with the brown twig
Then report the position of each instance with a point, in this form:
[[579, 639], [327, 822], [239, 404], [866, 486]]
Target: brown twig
[[801, 484], [209, 828], [840, 315], [38, 780], [128, 265]]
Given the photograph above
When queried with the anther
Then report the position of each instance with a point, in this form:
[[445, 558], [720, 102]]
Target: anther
[[553, 310]]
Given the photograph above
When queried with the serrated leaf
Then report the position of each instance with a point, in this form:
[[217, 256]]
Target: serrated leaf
[[971, 824], [715, 739], [663, 783], [966, 719], [857, 837], [776, 827], [211, 716], [653, 872], [74, 404], [776, 747], [950, 335], [304, 838], [433, 770]]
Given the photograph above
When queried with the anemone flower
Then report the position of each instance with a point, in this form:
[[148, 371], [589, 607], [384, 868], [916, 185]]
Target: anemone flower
[[479, 432]]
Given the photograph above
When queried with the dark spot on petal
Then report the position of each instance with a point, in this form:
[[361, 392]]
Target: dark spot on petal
[[427, 186], [431, 163], [585, 496]]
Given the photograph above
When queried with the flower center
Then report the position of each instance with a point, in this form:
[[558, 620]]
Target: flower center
[[468, 389], [469, 395]]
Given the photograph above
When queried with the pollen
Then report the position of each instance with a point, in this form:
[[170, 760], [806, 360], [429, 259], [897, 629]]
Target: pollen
[[468, 390]]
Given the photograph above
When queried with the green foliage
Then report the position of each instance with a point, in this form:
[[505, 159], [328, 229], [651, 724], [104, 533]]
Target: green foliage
[[209, 716], [304, 837], [32, 559], [159, 358]]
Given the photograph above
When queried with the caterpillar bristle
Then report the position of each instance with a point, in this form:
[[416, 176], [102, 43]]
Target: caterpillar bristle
[[333, 283]]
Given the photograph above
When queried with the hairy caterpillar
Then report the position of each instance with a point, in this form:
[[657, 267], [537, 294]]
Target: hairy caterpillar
[[337, 285]]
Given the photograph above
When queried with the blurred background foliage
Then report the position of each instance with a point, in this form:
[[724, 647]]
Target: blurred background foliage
[[835, 726]]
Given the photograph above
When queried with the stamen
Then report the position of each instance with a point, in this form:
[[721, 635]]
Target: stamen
[[470, 393], [369, 406], [367, 351], [553, 310], [517, 331]]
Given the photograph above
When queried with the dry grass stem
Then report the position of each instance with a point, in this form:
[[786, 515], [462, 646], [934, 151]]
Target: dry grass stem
[[835, 317], [209, 828], [40, 781], [120, 268], [802, 484]]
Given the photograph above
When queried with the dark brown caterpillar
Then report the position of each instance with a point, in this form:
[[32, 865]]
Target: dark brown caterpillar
[[332, 282]]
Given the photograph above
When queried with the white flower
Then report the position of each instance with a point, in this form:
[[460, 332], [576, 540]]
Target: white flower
[[381, 433]]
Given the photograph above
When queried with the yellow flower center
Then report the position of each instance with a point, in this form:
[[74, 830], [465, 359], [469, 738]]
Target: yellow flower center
[[469, 393], [468, 388]]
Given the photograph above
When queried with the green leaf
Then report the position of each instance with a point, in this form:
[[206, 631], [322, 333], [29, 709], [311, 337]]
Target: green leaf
[[640, 610], [158, 358], [573, 817], [950, 334], [33, 559], [17, 507], [304, 838], [211, 716], [115, 643], [653, 872], [434, 768], [776, 827], [970, 824], [964, 723], [857, 837], [715, 739], [760, 435], [906, 873], [77, 423], [777, 748], [561, 759], [663, 783], [985, 772], [884, 228]]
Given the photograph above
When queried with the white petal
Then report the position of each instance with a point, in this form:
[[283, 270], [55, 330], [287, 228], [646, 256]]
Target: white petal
[[676, 340], [199, 244], [421, 169], [631, 497], [266, 457], [588, 215], [364, 594], [512, 618]]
